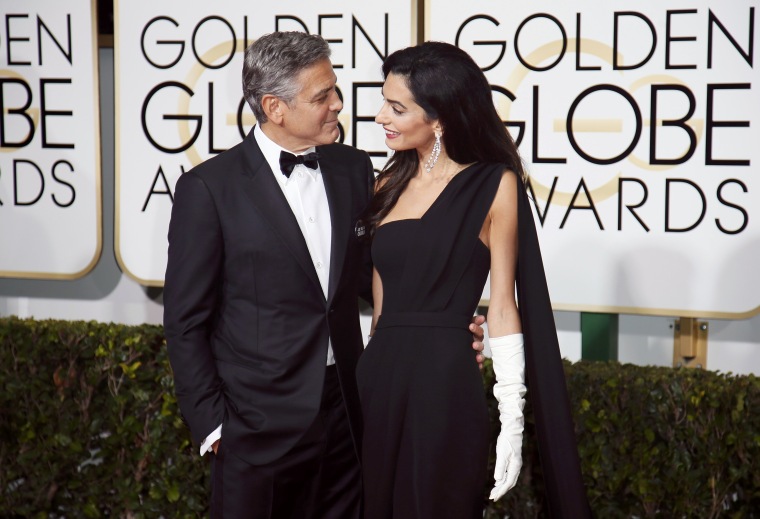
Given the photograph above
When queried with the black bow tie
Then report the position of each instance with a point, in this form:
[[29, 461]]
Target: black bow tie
[[288, 161]]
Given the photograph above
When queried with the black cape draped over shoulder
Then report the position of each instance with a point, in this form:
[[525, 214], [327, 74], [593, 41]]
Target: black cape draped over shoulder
[[545, 376]]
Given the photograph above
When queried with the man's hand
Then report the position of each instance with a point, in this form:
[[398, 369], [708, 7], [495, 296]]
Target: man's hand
[[215, 445], [477, 338]]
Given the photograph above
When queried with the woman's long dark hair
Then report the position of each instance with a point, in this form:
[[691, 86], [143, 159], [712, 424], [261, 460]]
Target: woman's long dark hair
[[448, 85]]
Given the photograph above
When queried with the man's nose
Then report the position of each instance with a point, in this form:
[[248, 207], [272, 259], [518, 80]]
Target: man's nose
[[336, 105]]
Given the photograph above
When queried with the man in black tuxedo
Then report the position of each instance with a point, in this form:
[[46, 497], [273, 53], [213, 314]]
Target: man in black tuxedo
[[267, 260]]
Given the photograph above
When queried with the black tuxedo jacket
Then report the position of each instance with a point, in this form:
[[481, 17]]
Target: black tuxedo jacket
[[245, 317]]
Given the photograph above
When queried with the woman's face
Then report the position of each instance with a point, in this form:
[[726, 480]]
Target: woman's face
[[404, 120]]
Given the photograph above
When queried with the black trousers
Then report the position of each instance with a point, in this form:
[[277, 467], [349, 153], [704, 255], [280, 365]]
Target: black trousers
[[319, 477]]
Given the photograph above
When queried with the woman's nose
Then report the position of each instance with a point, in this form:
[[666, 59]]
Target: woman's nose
[[381, 118]]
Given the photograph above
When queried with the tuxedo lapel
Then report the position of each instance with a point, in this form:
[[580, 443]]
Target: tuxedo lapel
[[261, 187], [339, 199]]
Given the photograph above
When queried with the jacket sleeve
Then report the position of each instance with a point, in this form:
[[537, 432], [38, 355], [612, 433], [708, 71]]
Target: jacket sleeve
[[365, 276], [191, 298]]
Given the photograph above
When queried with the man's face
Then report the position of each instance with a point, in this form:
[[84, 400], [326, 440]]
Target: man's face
[[311, 119]]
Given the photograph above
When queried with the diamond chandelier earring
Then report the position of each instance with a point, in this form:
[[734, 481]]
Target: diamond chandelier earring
[[434, 155]]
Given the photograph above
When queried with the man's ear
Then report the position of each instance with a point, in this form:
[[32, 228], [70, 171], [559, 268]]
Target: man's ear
[[273, 107]]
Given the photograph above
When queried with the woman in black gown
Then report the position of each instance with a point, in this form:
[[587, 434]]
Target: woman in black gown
[[445, 212]]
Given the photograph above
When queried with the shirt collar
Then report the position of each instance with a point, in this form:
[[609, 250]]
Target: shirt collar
[[271, 151]]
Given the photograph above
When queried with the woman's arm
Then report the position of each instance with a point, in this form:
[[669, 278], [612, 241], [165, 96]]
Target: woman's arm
[[503, 316]]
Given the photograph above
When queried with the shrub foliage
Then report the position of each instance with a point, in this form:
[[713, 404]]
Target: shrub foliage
[[89, 427]]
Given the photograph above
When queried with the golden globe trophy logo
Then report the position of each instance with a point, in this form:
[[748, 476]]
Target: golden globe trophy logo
[[179, 96], [49, 140], [638, 125]]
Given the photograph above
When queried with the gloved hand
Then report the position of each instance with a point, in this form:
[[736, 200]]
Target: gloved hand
[[508, 356]]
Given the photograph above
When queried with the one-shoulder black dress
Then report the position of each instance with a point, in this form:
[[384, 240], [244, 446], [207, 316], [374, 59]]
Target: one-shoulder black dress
[[426, 429]]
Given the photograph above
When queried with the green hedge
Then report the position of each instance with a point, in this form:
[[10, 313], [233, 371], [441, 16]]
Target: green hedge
[[89, 427], [655, 442]]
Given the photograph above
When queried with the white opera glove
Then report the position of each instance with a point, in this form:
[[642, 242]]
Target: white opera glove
[[508, 357]]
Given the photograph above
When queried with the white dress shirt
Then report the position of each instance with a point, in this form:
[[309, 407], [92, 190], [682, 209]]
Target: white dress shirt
[[305, 192]]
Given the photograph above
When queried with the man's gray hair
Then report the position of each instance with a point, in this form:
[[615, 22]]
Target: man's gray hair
[[272, 63]]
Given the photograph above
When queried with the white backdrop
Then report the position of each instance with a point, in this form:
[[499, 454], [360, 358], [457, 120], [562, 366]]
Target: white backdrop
[[50, 196], [178, 94], [641, 127], [106, 294]]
